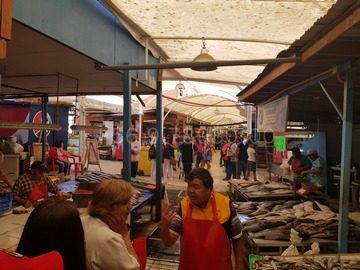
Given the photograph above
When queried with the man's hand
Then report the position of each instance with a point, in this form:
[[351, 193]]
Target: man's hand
[[167, 215], [27, 204]]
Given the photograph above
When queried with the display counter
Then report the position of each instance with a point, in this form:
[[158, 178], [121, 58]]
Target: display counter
[[237, 194]]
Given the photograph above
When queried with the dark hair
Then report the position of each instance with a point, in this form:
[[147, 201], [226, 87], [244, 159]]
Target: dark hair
[[169, 134], [296, 150], [58, 143], [55, 225], [203, 175]]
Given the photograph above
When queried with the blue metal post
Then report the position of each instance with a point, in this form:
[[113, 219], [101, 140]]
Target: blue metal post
[[44, 109], [159, 120], [127, 126]]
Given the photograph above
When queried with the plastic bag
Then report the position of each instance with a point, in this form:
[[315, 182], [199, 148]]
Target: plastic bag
[[315, 249], [292, 249]]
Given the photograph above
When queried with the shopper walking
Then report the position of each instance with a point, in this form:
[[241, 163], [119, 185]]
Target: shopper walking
[[135, 153], [207, 157], [168, 152], [242, 158], [187, 149], [251, 164], [207, 222]]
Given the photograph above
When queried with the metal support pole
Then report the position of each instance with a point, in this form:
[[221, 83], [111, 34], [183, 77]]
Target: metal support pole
[[127, 126], [345, 161], [159, 134], [44, 109]]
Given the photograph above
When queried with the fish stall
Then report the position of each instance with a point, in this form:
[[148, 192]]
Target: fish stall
[[311, 262], [257, 191], [267, 227]]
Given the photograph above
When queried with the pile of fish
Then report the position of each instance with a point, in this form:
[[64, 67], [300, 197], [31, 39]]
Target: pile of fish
[[267, 189], [273, 220], [311, 263]]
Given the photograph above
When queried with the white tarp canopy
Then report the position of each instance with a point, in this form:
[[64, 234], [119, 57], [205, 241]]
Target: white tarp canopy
[[232, 30]]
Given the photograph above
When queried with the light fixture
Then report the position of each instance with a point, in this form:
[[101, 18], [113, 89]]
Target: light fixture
[[180, 86], [204, 56], [22, 125]]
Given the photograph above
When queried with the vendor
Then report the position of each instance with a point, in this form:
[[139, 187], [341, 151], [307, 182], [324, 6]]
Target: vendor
[[298, 161], [33, 186], [317, 173]]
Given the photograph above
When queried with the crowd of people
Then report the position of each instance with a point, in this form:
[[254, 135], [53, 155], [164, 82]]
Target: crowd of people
[[100, 239], [237, 154]]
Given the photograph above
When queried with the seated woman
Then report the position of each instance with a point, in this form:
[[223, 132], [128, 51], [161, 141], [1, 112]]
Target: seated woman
[[107, 240], [55, 225], [56, 153]]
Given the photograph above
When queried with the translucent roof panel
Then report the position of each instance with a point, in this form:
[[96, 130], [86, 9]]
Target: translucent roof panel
[[233, 30]]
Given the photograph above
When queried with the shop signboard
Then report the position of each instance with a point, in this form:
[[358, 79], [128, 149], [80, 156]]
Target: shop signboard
[[272, 117]]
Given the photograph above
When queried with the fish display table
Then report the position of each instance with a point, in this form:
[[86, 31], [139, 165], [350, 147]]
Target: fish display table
[[237, 192]]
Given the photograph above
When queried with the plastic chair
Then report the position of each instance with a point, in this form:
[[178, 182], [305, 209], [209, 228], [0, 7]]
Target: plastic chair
[[51, 164], [75, 160]]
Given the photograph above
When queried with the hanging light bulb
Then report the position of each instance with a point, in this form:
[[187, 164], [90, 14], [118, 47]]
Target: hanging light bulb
[[204, 56]]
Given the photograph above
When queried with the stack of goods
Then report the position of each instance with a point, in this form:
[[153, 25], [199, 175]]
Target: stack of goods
[[313, 262], [273, 220], [96, 177], [268, 189], [83, 193]]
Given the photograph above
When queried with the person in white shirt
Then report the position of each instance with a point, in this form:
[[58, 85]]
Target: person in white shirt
[[251, 164], [107, 241], [135, 153]]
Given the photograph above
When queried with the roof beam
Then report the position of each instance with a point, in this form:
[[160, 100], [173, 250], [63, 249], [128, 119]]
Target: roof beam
[[267, 79], [349, 22]]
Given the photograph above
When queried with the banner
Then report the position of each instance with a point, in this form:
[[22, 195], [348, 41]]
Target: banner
[[272, 117]]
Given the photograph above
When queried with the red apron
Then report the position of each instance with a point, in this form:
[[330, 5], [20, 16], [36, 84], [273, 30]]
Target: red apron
[[295, 164], [204, 244], [38, 192]]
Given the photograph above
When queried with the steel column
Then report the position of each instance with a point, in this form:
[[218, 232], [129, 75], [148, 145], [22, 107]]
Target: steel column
[[345, 162], [127, 126]]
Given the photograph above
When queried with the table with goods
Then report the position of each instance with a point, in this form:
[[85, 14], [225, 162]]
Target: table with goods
[[270, 217]]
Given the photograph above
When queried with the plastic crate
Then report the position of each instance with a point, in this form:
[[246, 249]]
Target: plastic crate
[[5, 202]]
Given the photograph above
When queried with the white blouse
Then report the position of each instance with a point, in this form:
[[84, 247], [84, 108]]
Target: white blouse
[[105, 249]]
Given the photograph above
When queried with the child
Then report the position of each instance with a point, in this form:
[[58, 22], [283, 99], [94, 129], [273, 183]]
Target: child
[[207, 157]]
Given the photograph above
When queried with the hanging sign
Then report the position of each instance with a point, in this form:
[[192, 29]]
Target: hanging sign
[[272, 117]]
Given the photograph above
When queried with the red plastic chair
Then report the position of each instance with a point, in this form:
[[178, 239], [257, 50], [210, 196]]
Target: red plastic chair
[[51, 164], [75, 160]]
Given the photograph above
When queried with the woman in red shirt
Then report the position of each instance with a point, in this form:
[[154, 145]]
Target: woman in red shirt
[[58, 156]]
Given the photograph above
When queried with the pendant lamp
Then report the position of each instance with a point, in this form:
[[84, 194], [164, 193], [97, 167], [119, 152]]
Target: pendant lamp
[[204, 56]]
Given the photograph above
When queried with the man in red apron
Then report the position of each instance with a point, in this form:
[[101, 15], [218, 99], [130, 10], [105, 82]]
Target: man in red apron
[[33, 186], [298, 161], [207, 223]]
